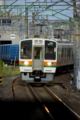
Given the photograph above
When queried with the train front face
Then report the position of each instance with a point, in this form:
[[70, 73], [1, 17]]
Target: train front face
[[37, 60]]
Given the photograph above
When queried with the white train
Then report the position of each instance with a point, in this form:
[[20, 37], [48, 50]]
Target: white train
[[39, 58]]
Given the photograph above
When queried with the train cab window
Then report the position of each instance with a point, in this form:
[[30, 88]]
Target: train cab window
[[26, 49], [38, 53], [50, 50]]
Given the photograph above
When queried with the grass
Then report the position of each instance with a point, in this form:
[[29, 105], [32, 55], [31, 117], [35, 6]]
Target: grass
[[6, 71]]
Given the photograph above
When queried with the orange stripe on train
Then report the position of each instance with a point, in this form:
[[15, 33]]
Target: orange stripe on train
[[46, 63], [30, 62]]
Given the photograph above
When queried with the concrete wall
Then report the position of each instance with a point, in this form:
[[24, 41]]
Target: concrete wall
[[6, 30], [7, 36]]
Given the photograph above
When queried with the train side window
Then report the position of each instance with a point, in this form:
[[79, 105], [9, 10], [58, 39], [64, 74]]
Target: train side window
[[0, 22], [59, 53], [68, 52], [62, 52], [71, 52], [65, 52]]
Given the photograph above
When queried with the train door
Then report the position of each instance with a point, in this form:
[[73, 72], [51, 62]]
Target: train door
[[38, 58]]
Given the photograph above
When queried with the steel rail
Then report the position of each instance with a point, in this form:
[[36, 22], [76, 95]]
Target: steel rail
[[38, 99], [54, 95], [13, 87]]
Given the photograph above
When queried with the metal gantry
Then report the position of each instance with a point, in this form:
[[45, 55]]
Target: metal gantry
[[53, 8], [40, 6]]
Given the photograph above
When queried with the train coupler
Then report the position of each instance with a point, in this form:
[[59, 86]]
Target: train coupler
[[37, 76]]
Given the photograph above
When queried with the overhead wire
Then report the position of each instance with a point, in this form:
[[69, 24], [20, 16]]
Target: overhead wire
[[43, 10], [26, 8]]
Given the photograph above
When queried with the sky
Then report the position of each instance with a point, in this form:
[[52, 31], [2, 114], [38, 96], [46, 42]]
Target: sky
[[56, 8]]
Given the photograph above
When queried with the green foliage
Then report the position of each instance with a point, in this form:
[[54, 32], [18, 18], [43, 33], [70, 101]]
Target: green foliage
[[6, 68], [6, 71], [1, 65]]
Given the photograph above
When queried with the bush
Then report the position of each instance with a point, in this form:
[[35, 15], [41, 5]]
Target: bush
[[6, 71], [1, 65], [6, 68]]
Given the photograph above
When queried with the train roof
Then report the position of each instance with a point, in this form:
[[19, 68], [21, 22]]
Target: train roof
[[58, 41], [62, 43], [38, 39]]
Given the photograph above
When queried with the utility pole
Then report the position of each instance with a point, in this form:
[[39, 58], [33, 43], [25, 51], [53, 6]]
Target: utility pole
[[26, 23], [70, 29], [77, 44], [33, 26], [46, 17], [21, 33]]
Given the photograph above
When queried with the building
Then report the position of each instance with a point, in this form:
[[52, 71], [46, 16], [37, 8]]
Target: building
[[12, 28]]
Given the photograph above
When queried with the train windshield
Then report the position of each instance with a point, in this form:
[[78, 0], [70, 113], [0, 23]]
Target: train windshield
[[26, 49], [50, 50]]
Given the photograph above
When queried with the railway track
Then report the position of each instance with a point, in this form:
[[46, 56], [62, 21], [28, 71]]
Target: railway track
[[13, 87], [44, 108], [54, 109], [38, 99]]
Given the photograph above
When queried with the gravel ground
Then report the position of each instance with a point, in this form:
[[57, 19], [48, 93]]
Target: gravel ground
[[69, 95]]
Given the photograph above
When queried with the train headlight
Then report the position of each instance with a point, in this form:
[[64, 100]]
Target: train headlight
[[49, 63], [26, 63]]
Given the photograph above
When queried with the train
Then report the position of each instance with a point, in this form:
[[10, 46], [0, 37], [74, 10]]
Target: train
[[41, 58], [9, 53]]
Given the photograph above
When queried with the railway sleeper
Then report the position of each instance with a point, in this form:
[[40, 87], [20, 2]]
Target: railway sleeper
[[61, 84]]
